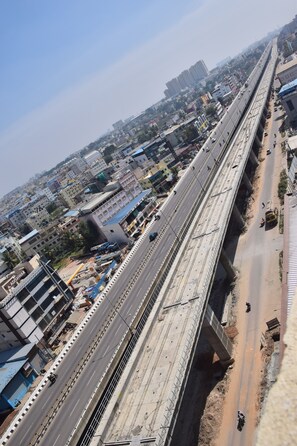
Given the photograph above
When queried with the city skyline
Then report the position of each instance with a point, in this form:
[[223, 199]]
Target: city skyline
[[62, 117]]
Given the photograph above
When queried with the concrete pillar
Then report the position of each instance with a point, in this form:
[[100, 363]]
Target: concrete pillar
[[217, 337], [228, 267], [253, 159], [238, 217], [257, 141], [260, 127], [247, 183]]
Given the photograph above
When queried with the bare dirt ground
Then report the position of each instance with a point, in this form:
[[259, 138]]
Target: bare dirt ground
[[244, 384]]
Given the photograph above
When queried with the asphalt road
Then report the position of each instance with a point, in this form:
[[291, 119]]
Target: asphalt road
[[173, 215], [261, 248]]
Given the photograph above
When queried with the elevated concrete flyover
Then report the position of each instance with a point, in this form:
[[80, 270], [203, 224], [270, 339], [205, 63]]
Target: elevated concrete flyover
[[94, 355], [145, 403]]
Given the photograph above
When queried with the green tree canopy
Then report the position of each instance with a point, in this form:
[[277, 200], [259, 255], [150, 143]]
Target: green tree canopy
[[210, 110], [89, 233]]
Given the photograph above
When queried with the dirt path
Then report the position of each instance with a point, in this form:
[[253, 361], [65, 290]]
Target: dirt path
[[257, 259]]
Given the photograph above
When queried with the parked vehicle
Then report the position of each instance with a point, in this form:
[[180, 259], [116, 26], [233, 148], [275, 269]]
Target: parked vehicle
[[271, 217]]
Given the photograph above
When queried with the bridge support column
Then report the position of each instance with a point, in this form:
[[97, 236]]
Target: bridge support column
[[227, 265], [253, 159], [217, 337], [260, 127], [257, 141], [247, 183], [238, 217]]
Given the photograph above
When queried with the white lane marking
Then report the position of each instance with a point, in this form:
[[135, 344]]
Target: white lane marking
[[93, 374], [29, 428], [56, 439], [74, 407], [105, 351], [117, 330], [46, 403]]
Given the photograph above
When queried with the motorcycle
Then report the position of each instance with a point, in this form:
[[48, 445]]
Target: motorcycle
[[52, 377], [240, 421], [248, 307]]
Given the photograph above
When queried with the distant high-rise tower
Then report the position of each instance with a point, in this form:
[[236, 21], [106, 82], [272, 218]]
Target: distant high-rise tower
[[187, 79], [199, 70]]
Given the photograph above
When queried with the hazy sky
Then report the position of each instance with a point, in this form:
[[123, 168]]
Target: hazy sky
[[71, 68]]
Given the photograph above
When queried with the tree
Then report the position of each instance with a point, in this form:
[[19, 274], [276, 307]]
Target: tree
[[190, 133], [90, 234], [108, 159], [210, 111], [71, 242], [107, 153], [51, 207], [10, 259]]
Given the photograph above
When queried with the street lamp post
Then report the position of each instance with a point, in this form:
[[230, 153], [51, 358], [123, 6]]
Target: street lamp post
[[196, 176], [121, 317], [169, 224]]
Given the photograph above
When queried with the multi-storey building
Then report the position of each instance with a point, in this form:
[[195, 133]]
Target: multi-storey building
[[68, 193], [187, 78], [105, 205], [38, 241], [32, 302], [98, 167], [287, 72], [128, 181], [92, 157], [221, 91], [35, 211], [78, 165], [16, 218], [288, 97], [173, 87], [200, 70], [10, 244]]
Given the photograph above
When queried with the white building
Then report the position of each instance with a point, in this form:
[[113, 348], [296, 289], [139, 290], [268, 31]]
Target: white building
[[78, 165], [9, 243], [104, 206], [221, 91], [31, 302], [287, 72], [128, 181], [92, 157], [98, 167], [68, 193], [36, 204], [37, 241], [47, 192], [16, 218]]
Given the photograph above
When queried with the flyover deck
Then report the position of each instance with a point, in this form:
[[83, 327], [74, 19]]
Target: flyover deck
[[143, 404]]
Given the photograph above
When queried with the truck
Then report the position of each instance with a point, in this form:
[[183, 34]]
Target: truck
[[271, 217]]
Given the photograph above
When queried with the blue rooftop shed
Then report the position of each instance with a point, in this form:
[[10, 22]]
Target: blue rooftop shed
[[17, 373]]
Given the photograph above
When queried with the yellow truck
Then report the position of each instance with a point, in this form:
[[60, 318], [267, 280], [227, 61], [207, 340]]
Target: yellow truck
[[271, 217]]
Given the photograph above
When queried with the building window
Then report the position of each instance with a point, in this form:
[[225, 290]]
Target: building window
[[290, 105]]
